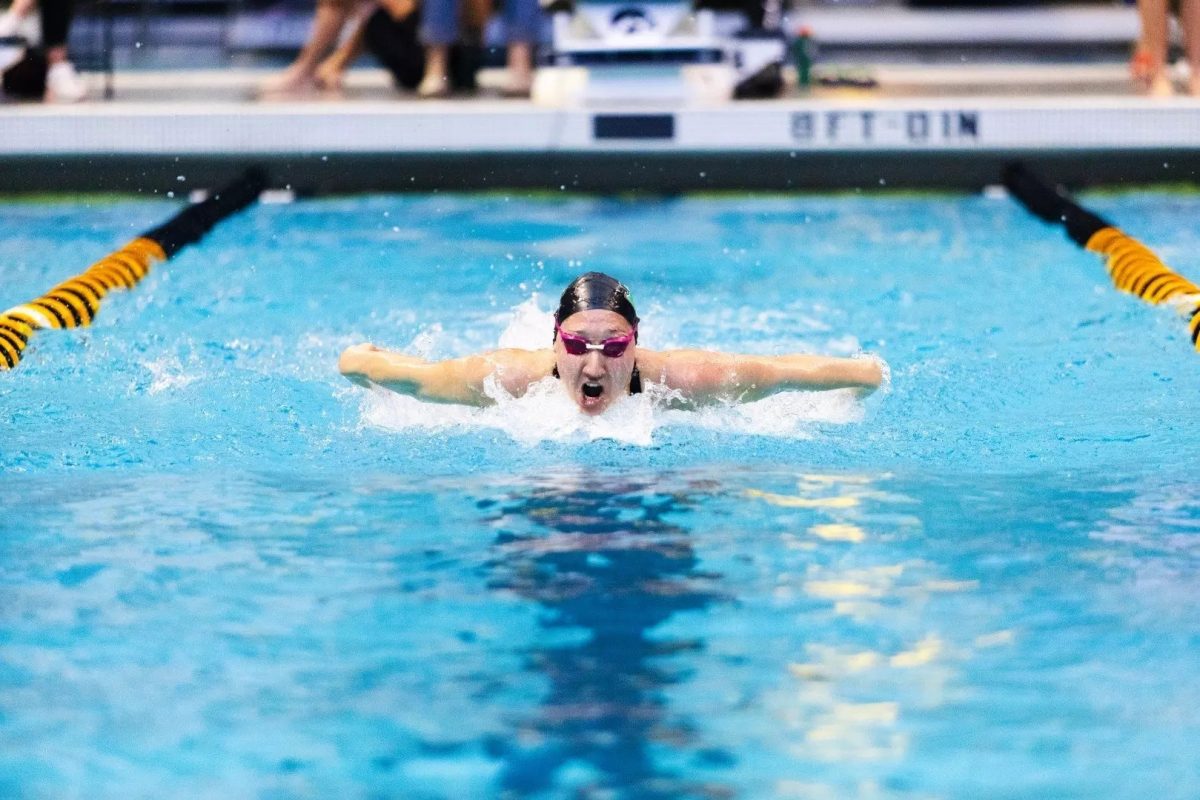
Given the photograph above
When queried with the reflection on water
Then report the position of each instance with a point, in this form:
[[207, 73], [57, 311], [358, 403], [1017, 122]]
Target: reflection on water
[[875, 654], [1152, 540], [816, 598], [608, 562], [703, 634]]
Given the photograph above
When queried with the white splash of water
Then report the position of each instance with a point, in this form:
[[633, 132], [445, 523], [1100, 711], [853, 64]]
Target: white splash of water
[[529, 327], [544, 413], [547, 413], [167, 373], [426, 342], [789, 415]]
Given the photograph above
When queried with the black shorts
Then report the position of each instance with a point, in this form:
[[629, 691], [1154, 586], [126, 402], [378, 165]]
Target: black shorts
[[395, 45]]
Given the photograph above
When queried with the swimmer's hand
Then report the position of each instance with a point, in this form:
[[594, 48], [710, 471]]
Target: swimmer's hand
[[456, 380], [354, 363]]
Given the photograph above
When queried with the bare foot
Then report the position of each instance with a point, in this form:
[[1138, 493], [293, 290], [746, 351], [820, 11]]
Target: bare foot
[[1194, 83], [1160, 86], [1149, 77], [1154, 85], [518, 83], [293, 80], [519, 80], [434, 85], [329, 74]]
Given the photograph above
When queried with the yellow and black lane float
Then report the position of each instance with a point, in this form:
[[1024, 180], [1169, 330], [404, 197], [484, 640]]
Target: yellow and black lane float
[[76, 301], [1133, 267]]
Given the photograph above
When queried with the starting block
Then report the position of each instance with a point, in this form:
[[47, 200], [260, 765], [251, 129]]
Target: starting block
[[653, 52]]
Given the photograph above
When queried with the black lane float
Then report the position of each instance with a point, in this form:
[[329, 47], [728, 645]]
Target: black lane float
[[76, 301], [1133, 267]]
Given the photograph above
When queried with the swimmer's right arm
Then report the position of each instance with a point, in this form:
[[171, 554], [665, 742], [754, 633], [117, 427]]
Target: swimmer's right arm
[[456, 380]]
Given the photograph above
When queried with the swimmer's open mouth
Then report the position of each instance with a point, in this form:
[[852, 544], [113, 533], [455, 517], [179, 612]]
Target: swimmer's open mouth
[[592, 390]]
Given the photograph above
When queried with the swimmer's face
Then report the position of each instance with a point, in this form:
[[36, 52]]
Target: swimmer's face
[[595, 380]]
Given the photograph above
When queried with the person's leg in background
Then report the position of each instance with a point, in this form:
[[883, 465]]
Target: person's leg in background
[[1189, 20], [439, 30], [522, 25], [63, 84], [1149, 64], [328, 21], [330, 72], [466, 56]]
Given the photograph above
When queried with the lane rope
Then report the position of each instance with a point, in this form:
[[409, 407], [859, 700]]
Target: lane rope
[[76, 301], [1132, 266]]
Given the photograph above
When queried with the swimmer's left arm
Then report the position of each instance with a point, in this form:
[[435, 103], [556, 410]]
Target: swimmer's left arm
[[704, 376]]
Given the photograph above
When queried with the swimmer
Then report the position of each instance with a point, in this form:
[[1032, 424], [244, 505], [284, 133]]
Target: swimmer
[[596, 358]]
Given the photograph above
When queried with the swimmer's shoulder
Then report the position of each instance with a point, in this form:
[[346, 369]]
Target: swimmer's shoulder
[[517, 358], [674, 367], [650, 363], [517, 369]]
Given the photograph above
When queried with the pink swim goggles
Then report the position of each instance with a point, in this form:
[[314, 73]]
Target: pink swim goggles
[[612, 348]]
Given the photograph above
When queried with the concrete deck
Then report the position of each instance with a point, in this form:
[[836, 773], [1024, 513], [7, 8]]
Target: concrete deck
[[923, 126]]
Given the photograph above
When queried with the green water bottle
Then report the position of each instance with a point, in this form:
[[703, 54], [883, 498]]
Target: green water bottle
[[802, 57]]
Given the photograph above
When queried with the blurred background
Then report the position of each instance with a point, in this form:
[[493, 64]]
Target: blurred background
[[165, 34]]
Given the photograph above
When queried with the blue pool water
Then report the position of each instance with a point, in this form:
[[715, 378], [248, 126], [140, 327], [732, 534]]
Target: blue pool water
[[224, 572]]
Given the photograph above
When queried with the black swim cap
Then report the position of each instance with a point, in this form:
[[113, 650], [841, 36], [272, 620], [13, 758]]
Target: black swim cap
[[595, 290]]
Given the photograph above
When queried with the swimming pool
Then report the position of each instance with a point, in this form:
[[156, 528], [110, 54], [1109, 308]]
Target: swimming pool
[[224, 572]]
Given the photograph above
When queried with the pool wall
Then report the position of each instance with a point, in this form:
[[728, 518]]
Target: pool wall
[[852, 142]]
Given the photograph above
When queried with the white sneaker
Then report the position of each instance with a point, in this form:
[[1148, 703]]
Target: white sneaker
[[9, 22], [63, 84], [10, 56], [9, 53]]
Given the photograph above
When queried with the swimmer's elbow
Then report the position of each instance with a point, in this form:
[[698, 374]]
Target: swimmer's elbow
[[452, 381]]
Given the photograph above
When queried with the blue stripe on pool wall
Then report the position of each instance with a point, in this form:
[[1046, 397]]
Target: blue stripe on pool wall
[[633, 126]]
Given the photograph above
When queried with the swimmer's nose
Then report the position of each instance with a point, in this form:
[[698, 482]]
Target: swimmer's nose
[[593, 365]]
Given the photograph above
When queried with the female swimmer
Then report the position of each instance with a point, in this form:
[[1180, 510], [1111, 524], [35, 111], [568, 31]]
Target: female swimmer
[[596, 358]]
